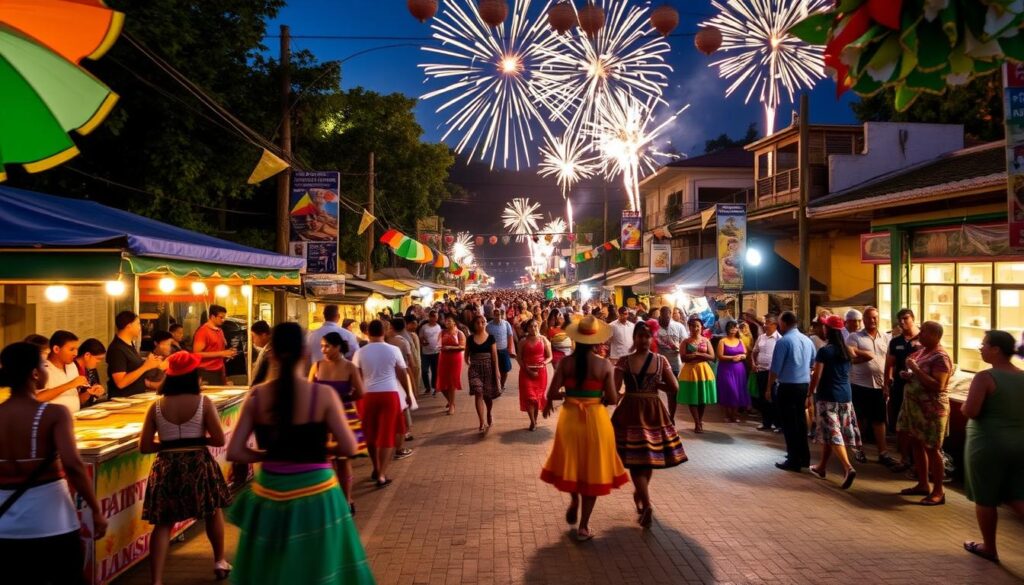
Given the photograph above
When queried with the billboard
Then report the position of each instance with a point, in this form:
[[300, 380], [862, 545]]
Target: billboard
[[661, 258], [313, 219], [631, 234], [732, 244]]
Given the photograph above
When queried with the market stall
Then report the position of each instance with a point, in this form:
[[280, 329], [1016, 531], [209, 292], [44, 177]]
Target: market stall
[[357, 299]]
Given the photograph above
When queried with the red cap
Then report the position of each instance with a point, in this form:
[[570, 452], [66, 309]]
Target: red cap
[[181, 363], [835, 322]]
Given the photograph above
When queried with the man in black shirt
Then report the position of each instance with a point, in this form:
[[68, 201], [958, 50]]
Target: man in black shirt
[[900, 348], [125, 365]]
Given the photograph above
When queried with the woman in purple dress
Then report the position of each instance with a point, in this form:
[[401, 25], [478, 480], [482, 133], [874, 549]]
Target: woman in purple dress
[[732, 373]]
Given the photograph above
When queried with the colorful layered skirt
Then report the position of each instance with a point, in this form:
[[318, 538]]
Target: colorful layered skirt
[[644, 435], [583, 459], [356, 424], [697, 384], [184, 484], [296, 528]]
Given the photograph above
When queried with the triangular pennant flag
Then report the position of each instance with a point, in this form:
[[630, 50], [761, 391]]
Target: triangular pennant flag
[[365, 222], [614, 244], [268, 166], [706, 215]]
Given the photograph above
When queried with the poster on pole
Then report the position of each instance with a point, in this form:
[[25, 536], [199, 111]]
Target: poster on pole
[[732, 245], [1013, 108], [632, 231], [661, 258], [313, 219]]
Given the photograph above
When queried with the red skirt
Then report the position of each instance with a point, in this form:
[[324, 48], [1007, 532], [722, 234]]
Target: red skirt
[[533, 390], [382, 417], [449, 371]]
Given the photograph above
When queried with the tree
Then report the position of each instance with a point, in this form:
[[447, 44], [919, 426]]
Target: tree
[[977, 105], [724, 141]]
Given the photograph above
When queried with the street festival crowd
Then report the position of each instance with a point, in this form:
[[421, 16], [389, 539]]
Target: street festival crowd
[[349, 390]]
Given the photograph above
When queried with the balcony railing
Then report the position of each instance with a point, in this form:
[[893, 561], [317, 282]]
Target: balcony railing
[[781, 183]]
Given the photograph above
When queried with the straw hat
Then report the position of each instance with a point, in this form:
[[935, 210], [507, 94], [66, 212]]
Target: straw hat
[[589, 330]]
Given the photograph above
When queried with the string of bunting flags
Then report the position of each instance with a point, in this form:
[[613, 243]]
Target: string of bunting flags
[[597, 251], [415, 251]]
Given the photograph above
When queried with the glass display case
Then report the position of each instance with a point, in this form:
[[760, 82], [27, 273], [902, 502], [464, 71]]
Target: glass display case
[[975, 316]]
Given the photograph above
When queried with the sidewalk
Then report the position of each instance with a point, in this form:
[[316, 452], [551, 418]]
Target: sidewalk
[[467, 509]]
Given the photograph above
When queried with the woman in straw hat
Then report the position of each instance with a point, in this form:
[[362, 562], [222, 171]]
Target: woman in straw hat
[[583, 459]]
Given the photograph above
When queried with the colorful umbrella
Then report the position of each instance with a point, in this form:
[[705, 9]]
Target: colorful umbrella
[[442, 261], [45, 94], [406, 247]]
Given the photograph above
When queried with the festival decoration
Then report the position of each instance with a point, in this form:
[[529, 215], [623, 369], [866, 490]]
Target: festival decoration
[[492, 240], [493, 12], [406, 247], [442, 261], [762, 52], [562, 17], [520, 217], [914, 47], [268, 166], [597, 252], [708, 39], [304, 206], [422, 10], [591, 18], [367, 220], [461, 249], [664, 19], [567, 160]]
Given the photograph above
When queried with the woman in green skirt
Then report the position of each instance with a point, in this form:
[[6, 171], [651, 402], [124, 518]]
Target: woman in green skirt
[[294, 520], [696, 380]]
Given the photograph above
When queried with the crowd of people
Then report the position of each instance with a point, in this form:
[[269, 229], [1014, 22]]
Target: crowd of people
[[346, 390]]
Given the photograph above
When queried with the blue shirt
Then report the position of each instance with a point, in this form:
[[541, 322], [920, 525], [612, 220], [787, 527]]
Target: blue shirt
[[793, 358], [316, 354], [834, 384], [501, 331]]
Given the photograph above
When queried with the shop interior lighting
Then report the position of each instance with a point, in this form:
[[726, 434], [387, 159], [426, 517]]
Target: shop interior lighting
[[166, 285], [247, 290], [198, 288], [115, 288], [221, 290], [584, 292], [56, 293]]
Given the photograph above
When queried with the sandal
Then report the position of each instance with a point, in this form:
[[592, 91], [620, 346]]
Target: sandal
[[583, 535], [646, 517], [914, 491], [928, 501], [819, 473], [977, 548], [221, 570], [848, 480]]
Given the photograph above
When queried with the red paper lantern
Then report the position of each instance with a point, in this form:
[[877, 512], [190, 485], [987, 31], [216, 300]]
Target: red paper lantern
[[492, 240], [708, 40], [493, 12], [571, 237], [664, 19], [479, 240], [449, 239], [422, 10], [591, 19], [562, 17]]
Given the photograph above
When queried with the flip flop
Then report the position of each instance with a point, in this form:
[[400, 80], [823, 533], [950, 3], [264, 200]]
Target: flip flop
[[385, 483], [819, 473], [930, 502], [975, 548], [583, 535]]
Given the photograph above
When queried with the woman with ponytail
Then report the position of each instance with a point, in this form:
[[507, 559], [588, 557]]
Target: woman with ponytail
[[294, 522]]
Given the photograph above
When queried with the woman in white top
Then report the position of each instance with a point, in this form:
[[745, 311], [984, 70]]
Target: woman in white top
[[185, 481], [39, 527]]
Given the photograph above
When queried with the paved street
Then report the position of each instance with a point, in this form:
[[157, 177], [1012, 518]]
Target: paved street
[[470, 509]]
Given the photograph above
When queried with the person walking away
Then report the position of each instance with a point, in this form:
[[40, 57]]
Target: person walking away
[[764, 348], [533, 355], [900, 348], [39, 527], [732, 373], [64, 384], [583, 460], [332, 317], [210, 345], [831, 394], [670, 337], [449, 364], [504, 341], [482, 361], [186, 423], [387, 388], [925, 413], [430, 342], [125, 367], [393, 335], [295, 492], [867, 379], [645, 437], [994, 453], [791, 367], [697, 387], [620, 344], [344, 377], [406, 329]]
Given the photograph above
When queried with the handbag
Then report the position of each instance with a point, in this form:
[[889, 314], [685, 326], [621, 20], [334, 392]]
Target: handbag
[[27, 484]]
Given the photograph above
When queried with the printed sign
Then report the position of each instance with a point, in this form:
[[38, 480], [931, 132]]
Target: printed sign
[[632, 231], [1013, 106], [732, 245], [313, 217], [661, 258]]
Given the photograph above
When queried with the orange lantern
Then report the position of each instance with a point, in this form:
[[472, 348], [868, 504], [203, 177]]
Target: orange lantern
[[664, 19], [708, 40], [422, 10], [493, 12], [562, 17], [591, 19]]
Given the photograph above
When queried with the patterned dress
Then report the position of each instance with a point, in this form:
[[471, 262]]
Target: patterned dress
[[482, 374], [925, 414], [644, 434], [344, 390]]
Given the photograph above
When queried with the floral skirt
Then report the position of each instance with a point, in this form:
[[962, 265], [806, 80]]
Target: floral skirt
[[923, 416], [837, 424], [482, 379], [184, 484]]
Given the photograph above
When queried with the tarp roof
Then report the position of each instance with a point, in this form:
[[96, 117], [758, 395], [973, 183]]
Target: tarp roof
[[774, 274], [36, 220], [407, 278]]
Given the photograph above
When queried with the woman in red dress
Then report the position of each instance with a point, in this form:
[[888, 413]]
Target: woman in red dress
[[533, 355], [449, 365]]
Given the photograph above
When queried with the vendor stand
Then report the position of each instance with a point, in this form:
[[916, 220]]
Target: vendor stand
[[357, 299]]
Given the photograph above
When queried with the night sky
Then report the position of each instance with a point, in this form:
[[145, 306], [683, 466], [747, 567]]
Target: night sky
[[394, 69]]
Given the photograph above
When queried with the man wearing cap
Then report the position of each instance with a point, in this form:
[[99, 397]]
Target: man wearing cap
[[621, 341], [791, 366], [853, 323], [764, 350], [867, 380]]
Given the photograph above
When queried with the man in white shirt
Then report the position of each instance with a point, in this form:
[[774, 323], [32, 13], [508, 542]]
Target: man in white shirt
[[504, 341], [64, 385], [430, 349], [331, 317], [621, 342], [867, 376], [387, 390], [764, 349], [853, 320]]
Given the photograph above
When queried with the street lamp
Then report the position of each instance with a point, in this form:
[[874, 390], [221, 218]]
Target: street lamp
[[754, 257]]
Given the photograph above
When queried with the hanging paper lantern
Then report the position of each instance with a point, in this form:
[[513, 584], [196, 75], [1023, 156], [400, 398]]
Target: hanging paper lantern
[[591, 19], [506, 239], [664, 19], [708, 40], [493, 12], [422, 10], [492, 240], [571, 237], [479, 240], [449, 239], [562, 17]]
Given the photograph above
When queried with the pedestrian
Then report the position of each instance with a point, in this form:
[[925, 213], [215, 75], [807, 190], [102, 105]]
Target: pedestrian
[[994, 454], [185, 481], [64, 384], [867, 380], [177, 332], [901, 347], [832, 398], [504, 341], [620, 344], [670, 336], [732, 373], [645, 436], [294, 526], [697, 387], [764, 348], [449, 365], [210, 344], [583, 459], [925, 413], [791, 367], [125, 367], [344, 377], [482, 362], [393, 329], [534, 355], [40, 533], [260, 332], [854, 323], [561, 344], [90, 353], [430, 346], [332, 316]]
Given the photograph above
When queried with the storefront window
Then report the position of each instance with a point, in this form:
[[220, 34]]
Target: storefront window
[[1010, 272], [884, 273], [939, 274], [975, 273], [975, 313], [938, 301], [1010, 312]]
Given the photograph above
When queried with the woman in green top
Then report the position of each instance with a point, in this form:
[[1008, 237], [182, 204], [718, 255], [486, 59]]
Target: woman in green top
[[994, 454]]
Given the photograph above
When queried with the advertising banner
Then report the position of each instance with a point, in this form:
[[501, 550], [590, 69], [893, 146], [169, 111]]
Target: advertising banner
[[632, 231], [661, 258], [313, 217], [732, 245], [1013, 108]]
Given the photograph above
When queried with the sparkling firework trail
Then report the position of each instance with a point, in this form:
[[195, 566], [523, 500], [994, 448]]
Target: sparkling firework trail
[[761, 52], [566, 158], [461, 250], [520, 218]]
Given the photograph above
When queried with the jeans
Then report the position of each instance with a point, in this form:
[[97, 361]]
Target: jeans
[[790, 401], [429, 367], [768, 416]]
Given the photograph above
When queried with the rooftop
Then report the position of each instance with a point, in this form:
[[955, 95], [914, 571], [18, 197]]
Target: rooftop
[[733, 157]]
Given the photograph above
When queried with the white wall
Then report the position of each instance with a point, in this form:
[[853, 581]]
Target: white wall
[[689, 181], [891, 146]]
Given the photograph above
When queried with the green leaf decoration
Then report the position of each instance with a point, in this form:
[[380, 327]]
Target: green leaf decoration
[[814, 29], [1013, 47], [930, 81], [905, 97], [882, 66], [949, 23], [933, 51]]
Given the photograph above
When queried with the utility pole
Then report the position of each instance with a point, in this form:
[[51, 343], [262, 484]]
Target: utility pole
[[283, 179], [805, 189], [370, 231], [605, 236]]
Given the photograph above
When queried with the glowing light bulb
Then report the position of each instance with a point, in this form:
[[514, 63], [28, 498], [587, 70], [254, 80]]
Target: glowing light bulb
[[247, 290], [166, 285], [57, 293], [221, 290], [198, 288], [115, 288]]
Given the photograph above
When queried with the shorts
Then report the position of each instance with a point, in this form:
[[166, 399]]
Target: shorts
[[504, 361], [383, 419], [869, 403]]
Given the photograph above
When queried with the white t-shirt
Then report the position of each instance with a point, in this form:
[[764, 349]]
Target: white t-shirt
[[430, 336], [869, 374], [765, 346], [377, 361], [622, 339], [58, 377], [672, 336]]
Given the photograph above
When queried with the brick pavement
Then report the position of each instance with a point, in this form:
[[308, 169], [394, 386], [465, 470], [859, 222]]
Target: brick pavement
[[469, 510]]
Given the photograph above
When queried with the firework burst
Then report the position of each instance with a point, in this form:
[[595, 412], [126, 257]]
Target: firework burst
[[762, 54], [520, 218], [566, 158], [488, 73], [461, 250]]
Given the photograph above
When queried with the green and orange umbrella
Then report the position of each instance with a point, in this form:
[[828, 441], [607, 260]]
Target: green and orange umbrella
[[45, 93], [405, 247]]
